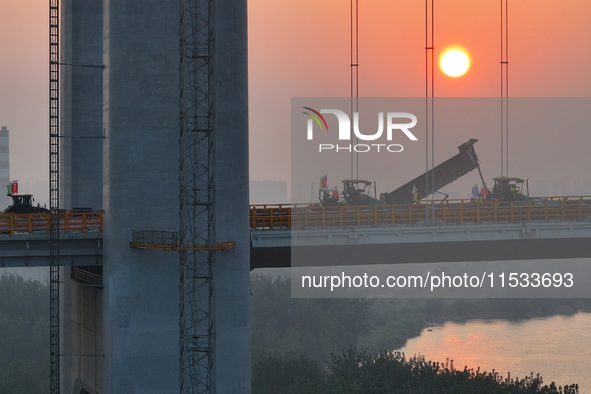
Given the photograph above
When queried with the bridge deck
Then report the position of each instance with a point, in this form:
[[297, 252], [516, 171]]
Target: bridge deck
[[73, 222], [287, 216], [32, 250], [556, 209], [469, 227]]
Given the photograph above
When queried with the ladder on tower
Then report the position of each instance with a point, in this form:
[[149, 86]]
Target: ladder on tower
[[54, 221]]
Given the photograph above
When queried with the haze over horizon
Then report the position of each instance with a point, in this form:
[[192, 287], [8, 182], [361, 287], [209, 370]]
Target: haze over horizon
[[294, 52]]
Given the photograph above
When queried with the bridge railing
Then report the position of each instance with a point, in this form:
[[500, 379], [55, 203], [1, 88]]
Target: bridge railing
[[79, 222], [448, 212]]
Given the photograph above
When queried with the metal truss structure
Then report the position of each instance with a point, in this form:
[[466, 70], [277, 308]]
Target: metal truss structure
[[54, 196], [196, 197]]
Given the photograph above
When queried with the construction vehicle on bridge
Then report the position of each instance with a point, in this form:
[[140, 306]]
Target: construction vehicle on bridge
[[445, 173], [511, 189], [23, 204], [355, 192], [358, 192]]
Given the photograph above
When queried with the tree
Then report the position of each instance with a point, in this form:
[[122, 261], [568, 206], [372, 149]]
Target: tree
[[24, 335]]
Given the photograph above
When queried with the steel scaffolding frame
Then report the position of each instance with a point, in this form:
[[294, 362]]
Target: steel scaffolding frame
[[54, 221], [196, 197]]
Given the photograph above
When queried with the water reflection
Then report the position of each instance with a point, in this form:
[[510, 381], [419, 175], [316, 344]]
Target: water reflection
[[556, 347]]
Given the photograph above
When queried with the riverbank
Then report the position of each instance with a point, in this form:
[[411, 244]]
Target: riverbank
[[290, 335], [321, 327], [555, 347]]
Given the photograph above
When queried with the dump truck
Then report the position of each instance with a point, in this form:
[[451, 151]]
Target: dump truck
[[441, 176], [358, 192]]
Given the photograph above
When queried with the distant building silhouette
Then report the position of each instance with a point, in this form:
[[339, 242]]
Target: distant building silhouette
[[4, 160]]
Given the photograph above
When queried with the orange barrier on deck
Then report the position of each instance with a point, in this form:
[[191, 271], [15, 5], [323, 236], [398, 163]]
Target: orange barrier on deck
[[39, 222], [286, 216], [449, 212]]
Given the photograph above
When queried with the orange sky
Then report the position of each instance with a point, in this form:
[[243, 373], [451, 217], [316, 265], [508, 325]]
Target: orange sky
[[301, 48], [24, 85], [309, 50]]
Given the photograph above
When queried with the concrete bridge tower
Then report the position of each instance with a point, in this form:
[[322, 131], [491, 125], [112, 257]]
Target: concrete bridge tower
[[130, 326]]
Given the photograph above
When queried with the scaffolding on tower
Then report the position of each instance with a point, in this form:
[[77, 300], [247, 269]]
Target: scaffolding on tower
[[196, 197]]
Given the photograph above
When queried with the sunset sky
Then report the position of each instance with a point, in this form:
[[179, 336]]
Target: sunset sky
[[301, 49]]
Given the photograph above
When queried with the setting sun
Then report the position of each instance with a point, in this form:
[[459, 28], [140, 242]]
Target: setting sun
[[454, 63]]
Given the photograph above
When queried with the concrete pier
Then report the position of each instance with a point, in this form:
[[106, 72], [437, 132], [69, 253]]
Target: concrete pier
[[81, 105], [81, 184], [120, 153], [140, 295], [231, 275]]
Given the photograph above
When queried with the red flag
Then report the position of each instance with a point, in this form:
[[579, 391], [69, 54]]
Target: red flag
[[484, 191]]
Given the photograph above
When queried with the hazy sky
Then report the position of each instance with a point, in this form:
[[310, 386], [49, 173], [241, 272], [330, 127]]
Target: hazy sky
[[301, 49]]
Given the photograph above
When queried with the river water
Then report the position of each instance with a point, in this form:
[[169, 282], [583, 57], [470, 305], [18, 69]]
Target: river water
[[557, 347]]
